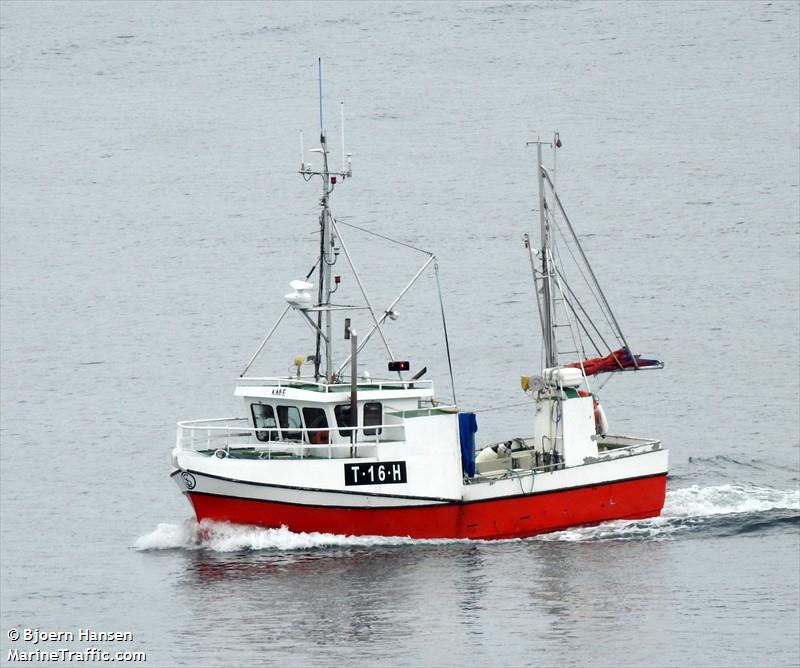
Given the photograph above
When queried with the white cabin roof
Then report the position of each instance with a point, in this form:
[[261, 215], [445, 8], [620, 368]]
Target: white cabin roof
[[309, 390]]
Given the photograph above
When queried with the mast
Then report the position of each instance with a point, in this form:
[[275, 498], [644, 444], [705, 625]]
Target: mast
[[327, 246], [325, 261], [548, 329]]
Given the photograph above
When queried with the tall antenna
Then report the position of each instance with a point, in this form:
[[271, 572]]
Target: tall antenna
[[322, 131], [328, 249], [344, 158]]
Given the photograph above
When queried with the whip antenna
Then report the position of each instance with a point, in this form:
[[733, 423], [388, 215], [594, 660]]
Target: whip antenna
[[344, 159], [321, 130]]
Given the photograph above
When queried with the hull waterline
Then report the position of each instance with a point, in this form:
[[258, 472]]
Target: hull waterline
[[507, 517]]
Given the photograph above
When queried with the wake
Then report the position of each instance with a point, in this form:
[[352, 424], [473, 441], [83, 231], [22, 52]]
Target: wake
[[718, 510]]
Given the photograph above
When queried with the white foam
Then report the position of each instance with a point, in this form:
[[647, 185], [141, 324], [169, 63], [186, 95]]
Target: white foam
[[654, 529], [224, 537], [167, 537], [696, 501], [685, 506]]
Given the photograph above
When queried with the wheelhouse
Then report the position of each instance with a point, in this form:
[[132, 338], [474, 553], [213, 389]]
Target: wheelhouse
[[281, 410]]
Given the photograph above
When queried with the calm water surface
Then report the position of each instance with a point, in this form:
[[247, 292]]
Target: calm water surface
[[151, 219]]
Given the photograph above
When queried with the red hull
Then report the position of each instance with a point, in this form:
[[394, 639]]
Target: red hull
[[514, 517]]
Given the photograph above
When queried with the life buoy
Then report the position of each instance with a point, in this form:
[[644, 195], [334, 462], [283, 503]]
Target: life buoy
[[600, 420]]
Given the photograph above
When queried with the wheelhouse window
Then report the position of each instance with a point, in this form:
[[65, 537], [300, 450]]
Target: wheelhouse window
[[343, 419], [315, 418], [291, 424], [264, 418], [373, 415]]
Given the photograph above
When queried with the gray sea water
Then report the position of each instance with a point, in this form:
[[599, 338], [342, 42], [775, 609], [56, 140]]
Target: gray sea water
[[152, 218]]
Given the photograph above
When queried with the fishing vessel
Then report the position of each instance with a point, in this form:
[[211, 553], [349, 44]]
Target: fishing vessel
[[328, 449]]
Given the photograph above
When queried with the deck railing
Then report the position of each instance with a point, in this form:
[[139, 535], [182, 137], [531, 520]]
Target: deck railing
[[310, 384], [221, 435], [611, 447], [549, 459]]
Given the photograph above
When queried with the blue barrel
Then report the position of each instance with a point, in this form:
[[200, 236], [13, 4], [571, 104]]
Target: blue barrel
[[467, 426]]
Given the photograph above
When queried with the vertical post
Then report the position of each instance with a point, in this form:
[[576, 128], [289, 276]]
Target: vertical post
[[353, 391], [550, 354], [527, 241], [302, 153], [327, 261], [326, 237], [320, 289], [324, 289]]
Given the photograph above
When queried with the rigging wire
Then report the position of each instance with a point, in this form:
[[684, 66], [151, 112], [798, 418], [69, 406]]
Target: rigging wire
[[609, 376], [585, 315], [527, 241], [594, 286], [438, 288], [588, 265], [561, 284], [504, 406], [444, 327], [274, 327], [579, 349], [363, 292], [382, 236], [592, 291]]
